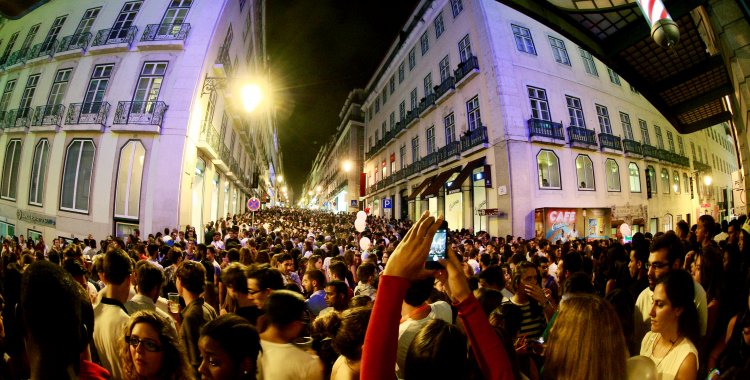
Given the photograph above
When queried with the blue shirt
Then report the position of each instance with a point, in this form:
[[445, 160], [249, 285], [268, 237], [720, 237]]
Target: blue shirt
[[317, 302]]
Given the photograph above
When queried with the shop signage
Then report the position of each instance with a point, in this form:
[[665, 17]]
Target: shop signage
[[35, 218], [491, 212]]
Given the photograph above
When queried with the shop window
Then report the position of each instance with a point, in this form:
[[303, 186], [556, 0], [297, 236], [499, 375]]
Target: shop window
[[676, 182], [685, 184], [129, 176], [77, 175], [548, 167], [665, 181], [585, 172], [613, 175], [635, 178], [651, 172]]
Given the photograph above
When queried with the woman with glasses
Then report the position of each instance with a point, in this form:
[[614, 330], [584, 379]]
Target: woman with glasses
[[150, 349]]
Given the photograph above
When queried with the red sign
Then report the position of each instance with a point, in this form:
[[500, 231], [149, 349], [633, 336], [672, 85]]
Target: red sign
[[383, 163], [393, 157]]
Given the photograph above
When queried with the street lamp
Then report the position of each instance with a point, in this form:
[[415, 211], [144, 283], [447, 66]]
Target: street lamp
[[251, 95], [347, 166], [707, 180]]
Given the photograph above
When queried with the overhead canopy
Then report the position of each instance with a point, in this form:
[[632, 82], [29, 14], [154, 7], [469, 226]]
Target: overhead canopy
[[465, 173], [434, 188], [419, 188], [686, 83]]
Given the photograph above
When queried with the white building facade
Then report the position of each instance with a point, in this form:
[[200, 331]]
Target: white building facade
[[481, 113], [119, 115]]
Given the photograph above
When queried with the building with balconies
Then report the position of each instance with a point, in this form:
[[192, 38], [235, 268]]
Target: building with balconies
[[481, 113], [333, 182], [120, 115]]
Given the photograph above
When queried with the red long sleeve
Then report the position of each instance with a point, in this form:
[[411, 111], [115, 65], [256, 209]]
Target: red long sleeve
[[381, 339], [487, 347]]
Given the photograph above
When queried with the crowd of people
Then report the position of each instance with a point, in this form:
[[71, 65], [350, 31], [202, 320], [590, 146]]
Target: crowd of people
[[298, 294]]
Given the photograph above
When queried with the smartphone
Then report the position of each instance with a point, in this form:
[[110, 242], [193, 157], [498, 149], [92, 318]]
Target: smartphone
[[438, 247]]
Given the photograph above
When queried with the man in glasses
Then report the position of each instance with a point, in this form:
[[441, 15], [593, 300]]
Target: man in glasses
[[667, 254]]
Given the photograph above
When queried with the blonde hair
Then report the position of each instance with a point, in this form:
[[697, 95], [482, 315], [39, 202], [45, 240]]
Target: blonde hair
[[587, 327]]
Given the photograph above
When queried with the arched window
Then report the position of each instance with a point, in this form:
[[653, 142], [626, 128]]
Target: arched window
[[38, 172], [685, 184], [651, 173], [76, 182], [548, 167], [585, 172], [676, 182], [10, 170], [613, 175], [635, 178], [129, 177], [665, 181]]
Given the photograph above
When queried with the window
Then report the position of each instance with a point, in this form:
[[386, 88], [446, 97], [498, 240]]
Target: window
[[7, 93], [402, 110], [385, 95], [382, 129], [392, 84], [402, 156], [456, 6], [392, 120], [464, 48], [401, 73], [603, 115], [559, 50], [539, 105], [549, 169], [450, 128], [96, 88], [424, 43], [377, 136], [38, 172], [644, 132], [588, 62], [415, 149], [24, 108], [87, 21], [123, 22], [9, 47], [472, 113], [445, 69], [665, 181], [53, 32], [613, 175], [428, 84], [246, 32], [30, 38], [626, 127], [413, 99], [439, 26], [57, 92], [575, 111], [651, 173], [77, 171], [11, 165], [659, 139], [613, 77], [412, 59], [685, 184], [700, 154], [129, 177], [524, 42], [635, 178], [585, 172], [431, 140], [148, 87], [676, 182], [670, 141], [377, 105]]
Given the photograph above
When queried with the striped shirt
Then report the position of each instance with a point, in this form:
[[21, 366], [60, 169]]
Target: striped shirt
[[532, 323]]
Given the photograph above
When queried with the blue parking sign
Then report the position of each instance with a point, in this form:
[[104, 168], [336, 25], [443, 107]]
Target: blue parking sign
[[387, 203]]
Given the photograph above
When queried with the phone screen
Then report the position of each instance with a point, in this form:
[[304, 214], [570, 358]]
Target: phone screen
[[438, 247]]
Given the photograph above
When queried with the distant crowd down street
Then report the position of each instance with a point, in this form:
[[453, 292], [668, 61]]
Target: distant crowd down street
[[298, 294]]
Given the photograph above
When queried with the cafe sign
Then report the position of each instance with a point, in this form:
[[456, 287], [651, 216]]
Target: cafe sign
[[35, 218]]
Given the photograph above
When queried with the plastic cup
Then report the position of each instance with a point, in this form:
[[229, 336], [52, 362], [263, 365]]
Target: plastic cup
[[304, 342], [173, 302]]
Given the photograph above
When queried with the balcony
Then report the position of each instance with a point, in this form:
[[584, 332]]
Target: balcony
[[581, 137], [427, 104], [650, 152], [41, 51], [466, 70], [429, 162], [683, 161], [450, 152], [665, 156], [414, 169], [632, 148], [15, 59], [209, 140], [701, 167], [546, 131], [223, 65], [87, 116], [18, 120], [473, 139], [411, 117], [48, 118], [112, 40], [398, 129], [164, 36], [610, 142], [75, 44], [139, 117], [398, 176], [444, 90]]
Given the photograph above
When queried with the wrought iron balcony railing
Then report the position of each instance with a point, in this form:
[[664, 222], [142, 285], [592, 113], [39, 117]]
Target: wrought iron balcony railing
[[165, 32], [545, 128], [411, 117], [475, 137], [701, 167], [42, 49], [151, 113], [632, 146], [224, 60], [610, 141], [447, 85], [72, 42], [452, 149], [581, 135], [115, 36], [48, 115], [16, 57], [210, 136], [429, 160], [426, 102], [87, 113], [19, 118], [466, 67], [650, 151]]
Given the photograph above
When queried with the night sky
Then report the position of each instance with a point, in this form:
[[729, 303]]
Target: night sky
[[319, 50]]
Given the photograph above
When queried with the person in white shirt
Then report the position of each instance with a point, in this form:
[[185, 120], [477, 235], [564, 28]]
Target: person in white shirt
[[149, 280], [217, 242]]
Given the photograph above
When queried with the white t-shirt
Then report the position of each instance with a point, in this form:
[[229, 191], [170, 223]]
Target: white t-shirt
[[642, 319], [109, 321], [287, 362], [408, 329], [667, 366]]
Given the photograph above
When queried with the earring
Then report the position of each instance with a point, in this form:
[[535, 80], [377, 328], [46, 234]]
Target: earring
[[245, 372]]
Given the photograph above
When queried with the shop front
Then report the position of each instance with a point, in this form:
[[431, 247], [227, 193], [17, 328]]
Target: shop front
[[566, 224]]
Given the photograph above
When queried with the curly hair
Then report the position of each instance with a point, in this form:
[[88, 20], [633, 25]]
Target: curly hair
[[175, 364]]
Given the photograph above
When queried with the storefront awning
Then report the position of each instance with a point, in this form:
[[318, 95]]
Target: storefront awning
[[419, 188], [434, 188], [465, 173]]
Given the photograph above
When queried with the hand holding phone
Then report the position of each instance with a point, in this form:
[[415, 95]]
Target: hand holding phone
[[438, 247]]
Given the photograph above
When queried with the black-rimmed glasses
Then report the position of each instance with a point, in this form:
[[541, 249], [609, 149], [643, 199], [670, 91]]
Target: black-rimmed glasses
[[148, 344]]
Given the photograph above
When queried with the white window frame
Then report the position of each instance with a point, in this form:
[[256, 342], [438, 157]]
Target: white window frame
[[424, 43], [439, 25], [523, 38], [464, 48], [575, 111], [612, 168], [539, 104], [588, 62], [665, 180], [627, 128], [548, 170], [586, 170], [456, 7], [634, 178], [473, 116], [9, 188], [39, 164], [602, 114], [559, 51], [445, 68], [131, 148], [75, 207], [449, 122], [430, 135]]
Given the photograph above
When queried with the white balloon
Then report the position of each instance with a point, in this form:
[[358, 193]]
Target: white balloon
[[364, 243], [361, 215], [360, 225], [641, 368]]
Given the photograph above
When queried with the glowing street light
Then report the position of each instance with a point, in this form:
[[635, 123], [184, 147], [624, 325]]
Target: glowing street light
[[251, 96], [707, 180], [280, 178], [347, 166]]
